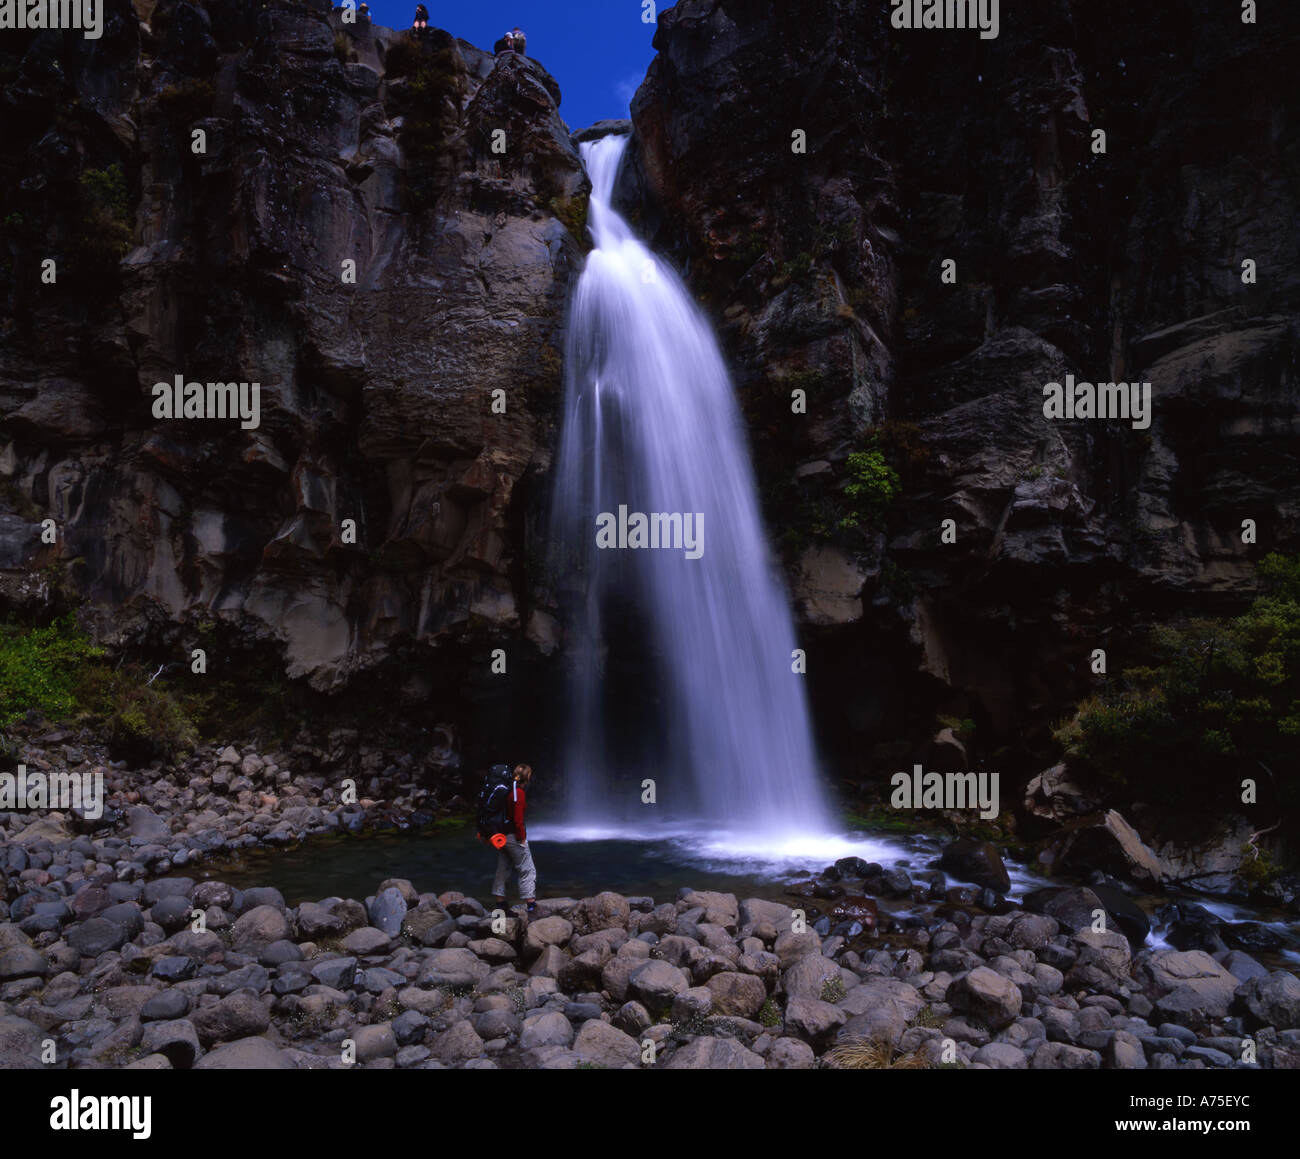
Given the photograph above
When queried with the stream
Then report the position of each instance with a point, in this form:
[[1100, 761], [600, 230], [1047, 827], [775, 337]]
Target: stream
[[581, 861]]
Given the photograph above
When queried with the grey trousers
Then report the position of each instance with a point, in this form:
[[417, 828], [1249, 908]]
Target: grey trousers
[[520, 859]]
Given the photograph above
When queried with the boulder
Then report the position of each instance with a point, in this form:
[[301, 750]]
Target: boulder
[[20, 1044], [388, 911], [601, 1043], [258, 928], [1109, 843], [812, 1020], [255, 1053], [790, 1054], [654, 984], [604, 911], [457, 1044], [552, 931], [710, 1053], [742, 995], [989, 998], [1273, 1000], [239, 1015], [545, 1028], [976, 861], [1190, 987], [720, 909], [808, 976]]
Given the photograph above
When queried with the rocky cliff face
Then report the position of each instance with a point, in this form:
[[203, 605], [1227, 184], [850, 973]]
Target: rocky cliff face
[[810, 169], [380, 232], [825, 270]]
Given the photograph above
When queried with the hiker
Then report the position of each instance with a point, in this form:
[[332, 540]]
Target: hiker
[[505, 44], [501, 823], [364, 10], [421, 17], [521, 41]]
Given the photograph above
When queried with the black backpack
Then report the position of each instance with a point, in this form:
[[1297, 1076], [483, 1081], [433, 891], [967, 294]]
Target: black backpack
[[495, 803]]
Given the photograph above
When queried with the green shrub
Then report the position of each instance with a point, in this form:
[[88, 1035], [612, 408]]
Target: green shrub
[[1220, 695], [41, 669], [833, 990], [872, 487], [106, 219]]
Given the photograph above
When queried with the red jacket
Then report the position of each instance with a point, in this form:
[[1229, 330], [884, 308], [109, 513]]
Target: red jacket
[[517, 813]]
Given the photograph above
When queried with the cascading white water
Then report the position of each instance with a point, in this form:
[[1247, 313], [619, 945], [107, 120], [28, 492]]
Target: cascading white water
[[651, 425]]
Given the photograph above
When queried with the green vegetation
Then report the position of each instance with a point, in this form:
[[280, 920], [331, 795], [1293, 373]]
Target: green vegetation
[[769, 1014], [963, 728], [41, 669], [1220, 696], [833, 990], [106, 222], [928, 1018], [572, 213], [872, 487]]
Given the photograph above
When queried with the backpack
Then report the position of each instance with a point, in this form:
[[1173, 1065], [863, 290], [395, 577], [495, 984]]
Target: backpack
[[495, 803]]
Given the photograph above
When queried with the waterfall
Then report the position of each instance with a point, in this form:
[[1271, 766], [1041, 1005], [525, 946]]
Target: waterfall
[[651, 427]]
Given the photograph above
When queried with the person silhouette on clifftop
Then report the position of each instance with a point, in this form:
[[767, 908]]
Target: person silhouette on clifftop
[[421, 17]]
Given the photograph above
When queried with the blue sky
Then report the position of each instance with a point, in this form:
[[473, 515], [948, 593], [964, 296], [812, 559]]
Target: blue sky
[[598, 50]]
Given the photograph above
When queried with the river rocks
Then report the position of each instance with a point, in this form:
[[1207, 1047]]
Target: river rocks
[[990, 999], [1062, 1056], [110, 967], [710, 1053], [166, 1005], [1272, 1001], [315, 922], [655, 984], [813, 1020], [599, 1042], [97, 936], [367, 940], [739, 994], [977, 861], [1190, 987], [552, 931], [720, 909], [388, 910], [22, 962], [259, 927], [602, 912], [809, 976], [247, 1054], [177, 1039], [453, 968], [547, 1028], [238, 1015]]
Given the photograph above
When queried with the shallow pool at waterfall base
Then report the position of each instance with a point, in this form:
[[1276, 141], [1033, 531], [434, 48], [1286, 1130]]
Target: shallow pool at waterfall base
[[581, 861]]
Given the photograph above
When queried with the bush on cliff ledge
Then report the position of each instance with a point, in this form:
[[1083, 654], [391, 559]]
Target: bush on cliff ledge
[[1220, 698]]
